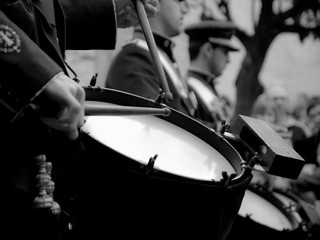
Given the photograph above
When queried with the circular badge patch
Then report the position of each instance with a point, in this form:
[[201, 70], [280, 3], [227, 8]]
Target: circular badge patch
[[9, 40]]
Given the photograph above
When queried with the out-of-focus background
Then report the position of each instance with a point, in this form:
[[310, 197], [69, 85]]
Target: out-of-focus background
[[290, 62]]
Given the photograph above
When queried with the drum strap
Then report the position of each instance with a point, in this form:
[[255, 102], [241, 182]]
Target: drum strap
[[208, 98], [179, 85], [51, 8], [178, 82], [48, 9]]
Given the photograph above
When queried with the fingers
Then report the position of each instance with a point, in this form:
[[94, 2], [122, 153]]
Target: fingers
[[69, 98], [151, 7], [81, 96], [68, 122], [72, 134], [127, 15], [71, 117], [154, 3], [65, 127]]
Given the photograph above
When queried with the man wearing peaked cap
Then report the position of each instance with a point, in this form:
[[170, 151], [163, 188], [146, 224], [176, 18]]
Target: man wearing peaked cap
[[210, 42], [216, 32]]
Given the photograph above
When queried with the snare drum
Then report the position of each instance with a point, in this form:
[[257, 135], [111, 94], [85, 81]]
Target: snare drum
[[270, 215], [182, 193], [305, 215]]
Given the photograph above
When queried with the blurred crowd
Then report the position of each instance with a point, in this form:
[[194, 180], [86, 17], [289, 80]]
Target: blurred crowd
[[299, 124]]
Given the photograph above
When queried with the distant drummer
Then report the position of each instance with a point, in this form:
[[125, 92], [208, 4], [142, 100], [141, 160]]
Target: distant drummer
[[133, 70], [210, 42]]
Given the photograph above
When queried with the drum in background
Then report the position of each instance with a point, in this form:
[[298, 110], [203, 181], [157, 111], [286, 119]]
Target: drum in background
[[268, 214], [160, 175], [264, 208], [307, 218]]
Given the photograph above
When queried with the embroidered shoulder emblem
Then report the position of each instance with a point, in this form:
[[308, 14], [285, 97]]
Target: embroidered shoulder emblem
[[9, 40]]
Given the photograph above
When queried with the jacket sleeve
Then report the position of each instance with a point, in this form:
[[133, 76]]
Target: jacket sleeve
[[25, 68], [90, 24]]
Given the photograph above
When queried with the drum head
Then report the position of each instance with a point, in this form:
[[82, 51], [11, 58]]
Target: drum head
[[261, 206], [182, 145], [290, 204]]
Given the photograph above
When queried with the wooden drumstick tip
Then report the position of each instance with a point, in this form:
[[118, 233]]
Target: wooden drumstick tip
[[168, 96], [167, 112]]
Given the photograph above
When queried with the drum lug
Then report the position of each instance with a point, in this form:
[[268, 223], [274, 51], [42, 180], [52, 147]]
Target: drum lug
[[150, 164], [161, 96], [224, 127], [93, 80]]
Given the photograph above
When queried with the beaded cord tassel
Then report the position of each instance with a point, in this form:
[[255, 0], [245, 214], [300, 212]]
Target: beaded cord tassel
[[45, 186]]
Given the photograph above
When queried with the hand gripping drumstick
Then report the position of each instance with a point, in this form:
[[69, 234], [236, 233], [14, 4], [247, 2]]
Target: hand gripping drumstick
[[152, 47]]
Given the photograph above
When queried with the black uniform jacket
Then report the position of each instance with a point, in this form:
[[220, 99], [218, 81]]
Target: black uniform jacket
[[32, 47]]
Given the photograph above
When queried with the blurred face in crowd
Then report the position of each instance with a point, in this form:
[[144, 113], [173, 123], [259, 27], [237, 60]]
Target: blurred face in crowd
[[279, 99], [314, 115], [170, 18], [280, 102], [262, 109], [218, 59]]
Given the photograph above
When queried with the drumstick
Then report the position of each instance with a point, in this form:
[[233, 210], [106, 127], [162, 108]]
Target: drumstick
[[152, 47], [104, 110]]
